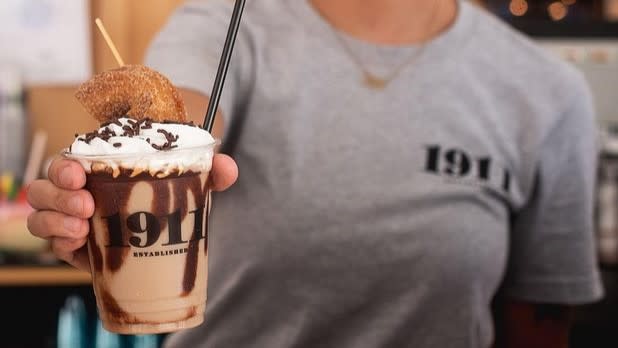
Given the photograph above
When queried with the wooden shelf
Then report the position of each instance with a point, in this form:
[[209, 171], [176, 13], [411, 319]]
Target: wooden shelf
[[42, 276]]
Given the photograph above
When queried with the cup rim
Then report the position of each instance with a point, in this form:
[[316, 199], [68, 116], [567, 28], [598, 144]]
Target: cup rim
[[69, 155]]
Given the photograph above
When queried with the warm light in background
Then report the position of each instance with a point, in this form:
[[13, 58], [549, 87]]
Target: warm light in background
[[569, 2], [610, 9], [557, 10], [518, 7]]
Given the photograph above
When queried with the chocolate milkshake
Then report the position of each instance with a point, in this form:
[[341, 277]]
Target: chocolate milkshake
[[148, 236]]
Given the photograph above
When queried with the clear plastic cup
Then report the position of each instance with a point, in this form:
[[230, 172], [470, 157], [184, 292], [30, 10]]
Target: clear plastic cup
[[148, 244]]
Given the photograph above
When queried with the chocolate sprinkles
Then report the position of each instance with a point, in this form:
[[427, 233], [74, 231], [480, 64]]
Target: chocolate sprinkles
[[189, 123], [132, 129], [146, 123], [89, 136], [112, 121], [169, 143]]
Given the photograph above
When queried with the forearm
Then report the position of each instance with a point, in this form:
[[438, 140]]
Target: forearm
[[529, 325]]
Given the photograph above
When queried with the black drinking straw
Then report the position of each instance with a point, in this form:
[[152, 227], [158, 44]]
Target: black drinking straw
[[224, 63]]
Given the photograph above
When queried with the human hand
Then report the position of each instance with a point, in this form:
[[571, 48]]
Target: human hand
[[63, 207]]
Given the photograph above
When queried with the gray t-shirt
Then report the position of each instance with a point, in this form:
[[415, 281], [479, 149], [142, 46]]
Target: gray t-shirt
[[386, 218]]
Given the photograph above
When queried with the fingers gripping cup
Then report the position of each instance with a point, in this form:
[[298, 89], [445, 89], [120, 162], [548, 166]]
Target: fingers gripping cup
[[148, 244]]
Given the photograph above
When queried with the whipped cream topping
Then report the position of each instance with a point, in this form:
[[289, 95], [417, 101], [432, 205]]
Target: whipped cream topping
[[144, 146]]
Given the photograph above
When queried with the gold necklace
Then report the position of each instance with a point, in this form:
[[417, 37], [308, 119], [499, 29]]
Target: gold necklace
[[372, 80]]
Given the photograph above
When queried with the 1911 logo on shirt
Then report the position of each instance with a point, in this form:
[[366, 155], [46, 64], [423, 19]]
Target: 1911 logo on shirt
[[457, 163]]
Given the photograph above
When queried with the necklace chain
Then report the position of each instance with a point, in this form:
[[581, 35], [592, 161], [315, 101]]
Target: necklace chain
[[371, 79]]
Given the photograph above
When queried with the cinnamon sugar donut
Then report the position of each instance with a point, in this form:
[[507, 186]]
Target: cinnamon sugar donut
[[132, 90]]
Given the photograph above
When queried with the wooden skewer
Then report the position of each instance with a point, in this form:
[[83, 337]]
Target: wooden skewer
[[36, 157], [109, 41]]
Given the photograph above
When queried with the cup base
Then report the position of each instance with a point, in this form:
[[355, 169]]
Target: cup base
[[153, 328]]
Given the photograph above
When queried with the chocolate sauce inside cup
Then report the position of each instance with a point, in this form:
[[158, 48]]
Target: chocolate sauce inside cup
[[148, 242]]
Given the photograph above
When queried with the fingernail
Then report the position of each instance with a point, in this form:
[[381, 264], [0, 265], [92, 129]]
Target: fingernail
[[72, 224], [65, 177], [75, 204]]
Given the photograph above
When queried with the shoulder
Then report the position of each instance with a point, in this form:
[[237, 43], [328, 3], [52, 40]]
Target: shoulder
[[521, 74], [498, 48]]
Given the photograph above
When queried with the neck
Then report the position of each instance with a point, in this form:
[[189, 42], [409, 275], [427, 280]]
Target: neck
[[394, 22]]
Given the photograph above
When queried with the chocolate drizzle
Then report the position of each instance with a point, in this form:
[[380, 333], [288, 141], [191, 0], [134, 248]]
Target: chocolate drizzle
[[160, 204], [191, 312], [206, 191], [110, 197], [190, 273], [171, 197], [102, 186], [188, 280], [120, 316], [112, 307], [95, 251], [115, 257]]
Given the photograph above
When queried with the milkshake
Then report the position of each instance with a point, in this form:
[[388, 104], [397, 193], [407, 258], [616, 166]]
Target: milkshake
[[148, 172], [148, 236]]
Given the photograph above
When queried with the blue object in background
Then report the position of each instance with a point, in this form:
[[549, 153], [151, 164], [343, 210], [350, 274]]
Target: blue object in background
[[145, 341], [72, 324], [76, 329], [106, 339]]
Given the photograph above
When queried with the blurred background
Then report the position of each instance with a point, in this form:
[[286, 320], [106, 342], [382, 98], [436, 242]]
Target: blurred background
[[48, 47]]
